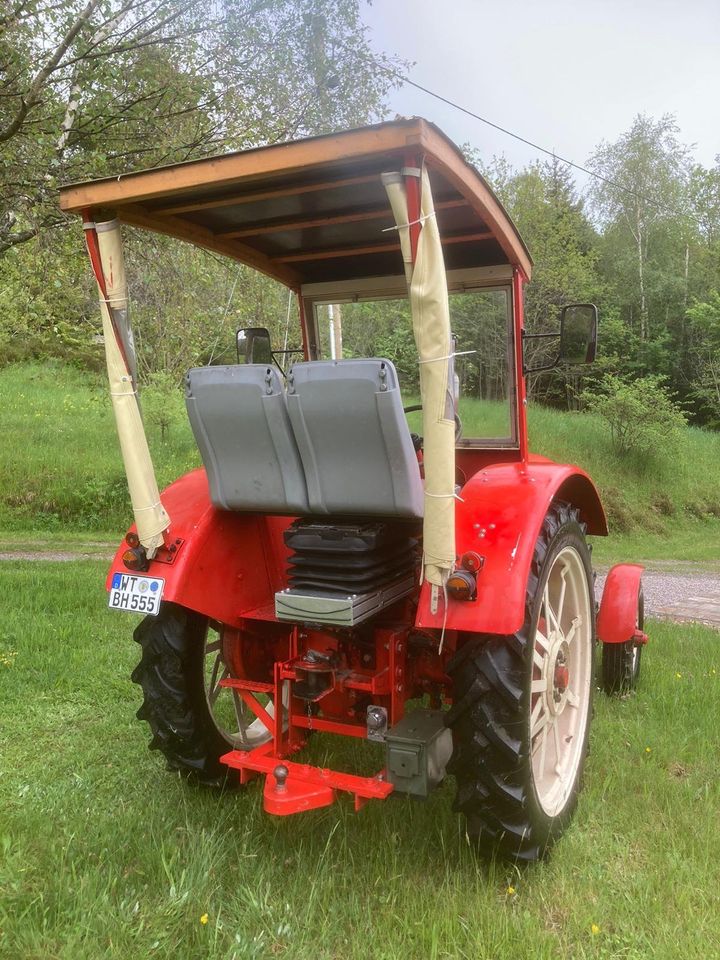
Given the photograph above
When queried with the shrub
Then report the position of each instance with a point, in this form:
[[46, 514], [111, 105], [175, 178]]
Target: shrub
[[641, 414]]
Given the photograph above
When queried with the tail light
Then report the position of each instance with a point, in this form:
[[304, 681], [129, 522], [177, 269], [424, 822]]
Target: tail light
[[461, 585], [135, 558]]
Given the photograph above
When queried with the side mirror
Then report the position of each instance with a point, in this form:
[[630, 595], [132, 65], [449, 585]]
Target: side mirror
[[578, 337], [578, 333], [253, 345]]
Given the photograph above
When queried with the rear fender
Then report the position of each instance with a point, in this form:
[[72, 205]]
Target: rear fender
[[499, 516], [617, 618], [226, 565]]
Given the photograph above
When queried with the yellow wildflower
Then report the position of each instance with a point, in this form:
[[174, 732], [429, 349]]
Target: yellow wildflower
[[204, 919], [594, 929], [678, 676], [510, 891], [648, 749]]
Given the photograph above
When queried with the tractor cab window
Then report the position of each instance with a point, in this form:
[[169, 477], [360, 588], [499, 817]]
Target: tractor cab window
[[481, 322]]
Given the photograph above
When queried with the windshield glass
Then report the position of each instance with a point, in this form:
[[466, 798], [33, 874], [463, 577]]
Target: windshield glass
[[481, 324]]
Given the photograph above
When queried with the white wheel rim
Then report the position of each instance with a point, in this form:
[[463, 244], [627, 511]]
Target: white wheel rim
[[233, 718], [560, 684]]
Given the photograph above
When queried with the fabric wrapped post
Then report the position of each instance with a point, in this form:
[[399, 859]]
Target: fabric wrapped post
[[151, 519], [431, 326]]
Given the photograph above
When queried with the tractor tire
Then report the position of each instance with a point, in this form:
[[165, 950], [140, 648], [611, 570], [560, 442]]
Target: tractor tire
[[621, 661], [522, 704], [175, 705]]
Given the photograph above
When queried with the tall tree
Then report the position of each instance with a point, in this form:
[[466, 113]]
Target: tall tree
[[644, 186]]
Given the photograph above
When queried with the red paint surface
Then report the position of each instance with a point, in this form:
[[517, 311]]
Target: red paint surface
[[617, 618], [229, 563], [500, 516]]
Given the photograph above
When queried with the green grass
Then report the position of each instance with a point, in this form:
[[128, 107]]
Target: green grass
[[105, 855], [61, 472], [61, 469]]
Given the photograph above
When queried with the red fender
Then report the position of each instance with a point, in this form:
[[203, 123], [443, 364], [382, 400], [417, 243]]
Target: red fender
[[226, 565], [617, 618], [499, 516]]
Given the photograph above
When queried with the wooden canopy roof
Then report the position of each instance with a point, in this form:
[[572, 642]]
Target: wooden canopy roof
[[313, 210]]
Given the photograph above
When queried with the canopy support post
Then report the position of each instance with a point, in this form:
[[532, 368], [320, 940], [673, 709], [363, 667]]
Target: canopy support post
[[106, 257]]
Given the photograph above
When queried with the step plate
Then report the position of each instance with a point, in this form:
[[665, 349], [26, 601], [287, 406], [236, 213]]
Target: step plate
[[342, 610]]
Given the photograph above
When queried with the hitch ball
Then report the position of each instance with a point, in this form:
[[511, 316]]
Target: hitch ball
[[281, 774]]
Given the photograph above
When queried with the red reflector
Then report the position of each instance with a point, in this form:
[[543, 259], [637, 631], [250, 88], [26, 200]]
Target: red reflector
[[132, 540], [472, 561], [461, 585]]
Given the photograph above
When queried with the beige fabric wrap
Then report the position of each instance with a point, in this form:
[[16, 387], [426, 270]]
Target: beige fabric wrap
[[151, 518], [431, 326]]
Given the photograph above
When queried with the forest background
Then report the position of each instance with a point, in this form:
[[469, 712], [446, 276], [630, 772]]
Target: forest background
[[98, 88]]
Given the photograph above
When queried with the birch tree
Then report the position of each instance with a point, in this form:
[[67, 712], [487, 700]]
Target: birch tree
[[644, 185]]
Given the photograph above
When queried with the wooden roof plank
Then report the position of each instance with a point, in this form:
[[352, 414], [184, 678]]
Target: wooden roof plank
[[305, 224], [339, 252], [255, 197], [136, 216], [256, 165]]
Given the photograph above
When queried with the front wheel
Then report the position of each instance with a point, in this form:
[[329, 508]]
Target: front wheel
[[621, 661], [522, 704]]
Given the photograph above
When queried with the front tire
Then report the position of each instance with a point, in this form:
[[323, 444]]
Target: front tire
[[522, 704], [621, 661]]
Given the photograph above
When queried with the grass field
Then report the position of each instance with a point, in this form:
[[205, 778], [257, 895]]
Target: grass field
[[104, 855], [61, 472]]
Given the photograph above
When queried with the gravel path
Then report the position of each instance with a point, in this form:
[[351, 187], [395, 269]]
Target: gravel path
[[674, 590], [688, 594]]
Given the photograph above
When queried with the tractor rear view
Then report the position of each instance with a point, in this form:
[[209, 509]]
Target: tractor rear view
[[328, 571]]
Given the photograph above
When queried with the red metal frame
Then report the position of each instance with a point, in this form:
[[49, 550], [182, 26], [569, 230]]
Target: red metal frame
[[520, 386]]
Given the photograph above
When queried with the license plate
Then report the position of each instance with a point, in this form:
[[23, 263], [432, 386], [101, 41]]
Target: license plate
[[136, 594]]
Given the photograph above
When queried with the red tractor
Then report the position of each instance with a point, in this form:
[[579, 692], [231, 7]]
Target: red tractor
[[328, 571]]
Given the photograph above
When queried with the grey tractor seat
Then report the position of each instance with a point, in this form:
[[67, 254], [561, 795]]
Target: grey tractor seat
[[240, 420], [353, 438]]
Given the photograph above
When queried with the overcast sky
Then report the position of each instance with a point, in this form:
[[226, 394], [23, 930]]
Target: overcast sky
[[563, 73]]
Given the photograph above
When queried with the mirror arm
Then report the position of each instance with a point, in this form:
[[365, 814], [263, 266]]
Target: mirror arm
[[546, 366]]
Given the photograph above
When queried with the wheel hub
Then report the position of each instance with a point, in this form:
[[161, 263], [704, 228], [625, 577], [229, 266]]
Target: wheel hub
[[561, 677], [556, 673]]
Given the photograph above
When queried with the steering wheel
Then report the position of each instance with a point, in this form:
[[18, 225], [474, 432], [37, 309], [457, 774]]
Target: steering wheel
[[413, 408]]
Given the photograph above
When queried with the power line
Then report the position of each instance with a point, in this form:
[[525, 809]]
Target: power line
[[536, 146]]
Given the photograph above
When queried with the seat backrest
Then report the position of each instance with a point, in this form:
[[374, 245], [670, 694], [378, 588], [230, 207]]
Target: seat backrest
[[353, 438], [240, 420]]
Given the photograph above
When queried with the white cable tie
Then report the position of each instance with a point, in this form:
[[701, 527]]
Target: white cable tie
[[127, 393], [449, 356], [154, 506], [411, 171], [444, 496], [445, 614], [411, 223], [113, 299]]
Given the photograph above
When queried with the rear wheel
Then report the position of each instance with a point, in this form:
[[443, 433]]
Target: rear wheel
[[194, 720], [522, 704], [621, 661]]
